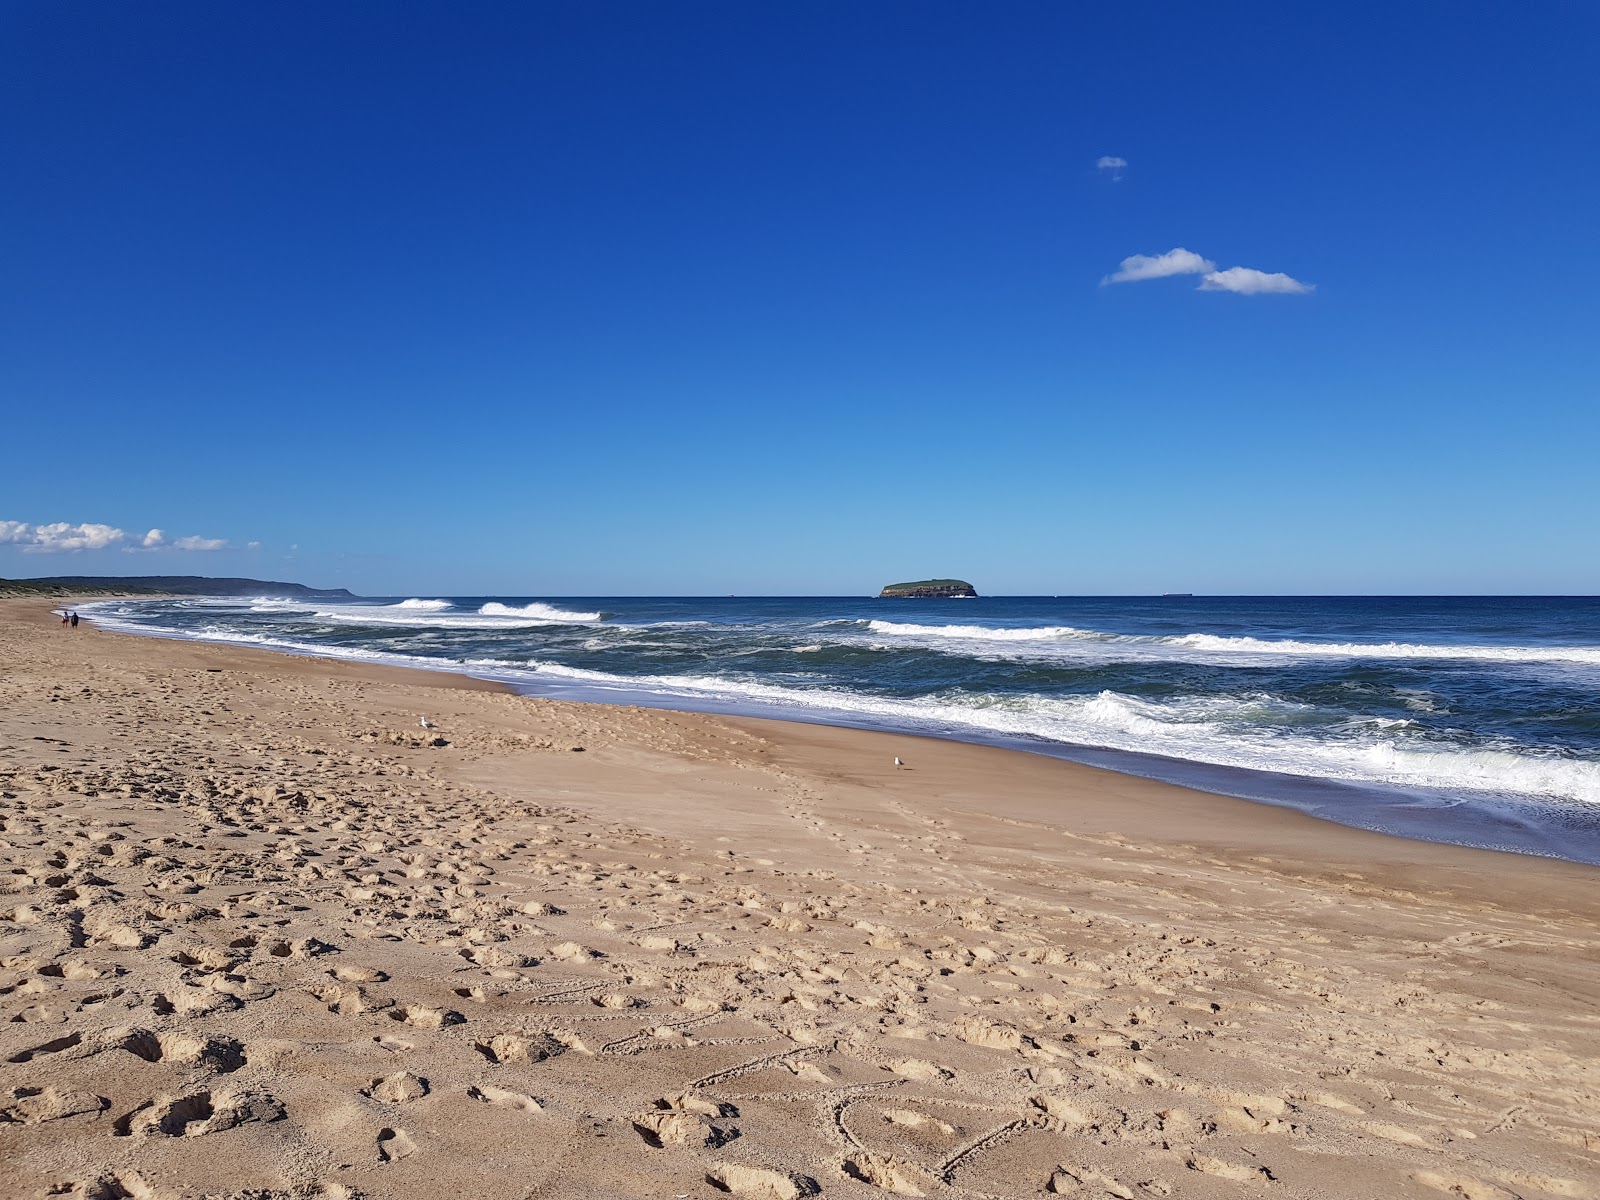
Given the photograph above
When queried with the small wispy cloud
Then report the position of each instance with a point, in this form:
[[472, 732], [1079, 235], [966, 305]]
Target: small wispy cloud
[[63, 537], [1247, 281], [1111, 164], [1177, 261]]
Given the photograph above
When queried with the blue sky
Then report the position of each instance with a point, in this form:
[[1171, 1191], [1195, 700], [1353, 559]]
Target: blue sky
[[604, 298]]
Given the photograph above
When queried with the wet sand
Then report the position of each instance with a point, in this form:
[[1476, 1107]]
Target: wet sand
[[262, 935]]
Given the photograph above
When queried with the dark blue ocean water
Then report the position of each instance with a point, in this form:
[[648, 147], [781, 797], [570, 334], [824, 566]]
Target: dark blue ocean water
[[1473, 720]]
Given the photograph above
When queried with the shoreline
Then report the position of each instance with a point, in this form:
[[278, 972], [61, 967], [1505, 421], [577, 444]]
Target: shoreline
[[261, 933], [1155, 808], [1560, 831]]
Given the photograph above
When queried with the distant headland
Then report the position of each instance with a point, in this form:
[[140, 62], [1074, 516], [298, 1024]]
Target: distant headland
[[164, 585], [928, 589]]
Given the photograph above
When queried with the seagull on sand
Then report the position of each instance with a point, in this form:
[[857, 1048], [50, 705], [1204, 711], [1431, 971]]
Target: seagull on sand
[[897, 761], [427, 724]]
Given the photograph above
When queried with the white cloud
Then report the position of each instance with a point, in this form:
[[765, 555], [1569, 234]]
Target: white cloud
[[64, 537], [1177, 261], [1110, 162], [1247, 281], [61, 536]]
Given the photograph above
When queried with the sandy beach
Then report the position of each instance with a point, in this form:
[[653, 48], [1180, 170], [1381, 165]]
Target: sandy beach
[[262, 935]]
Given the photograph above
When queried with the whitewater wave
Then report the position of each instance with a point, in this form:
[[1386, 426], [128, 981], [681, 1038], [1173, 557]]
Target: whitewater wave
[[1254, 732], [988, 633], [1361, 729], [542, 612], [388, 618], [1217, 644], [1248, 645], [436, 614]]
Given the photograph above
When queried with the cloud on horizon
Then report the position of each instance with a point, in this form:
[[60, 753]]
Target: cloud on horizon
[[1177, 261], [1244, 281], [193, 542], [62, 537]]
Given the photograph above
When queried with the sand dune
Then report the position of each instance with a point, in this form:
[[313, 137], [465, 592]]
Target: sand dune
[[263, 936]]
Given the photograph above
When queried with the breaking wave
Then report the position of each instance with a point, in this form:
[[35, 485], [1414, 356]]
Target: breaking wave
[[1255, 732], [1216, 644], [986, 633], [1461, 703], [542, 612]]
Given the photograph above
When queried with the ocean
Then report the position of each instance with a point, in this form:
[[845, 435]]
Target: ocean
[[1473, 720]]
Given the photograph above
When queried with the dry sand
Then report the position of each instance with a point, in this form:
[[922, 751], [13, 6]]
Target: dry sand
[[261, 936]]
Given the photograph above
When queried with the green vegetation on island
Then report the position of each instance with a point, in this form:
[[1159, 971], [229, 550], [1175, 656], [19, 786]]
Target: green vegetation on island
[[163, 585], [928, 589]]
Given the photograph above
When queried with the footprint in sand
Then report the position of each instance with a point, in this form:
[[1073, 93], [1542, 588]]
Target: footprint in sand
[[916, 1120], [511, 1047], [679, 1127], [420, 1016], [395, 1144], [489, 1094], [759, 1183], [106, 1187], [889, 1174], [55, 1046], [33, 1106], [1223, 1169], [196, 1114], [399, 1088]]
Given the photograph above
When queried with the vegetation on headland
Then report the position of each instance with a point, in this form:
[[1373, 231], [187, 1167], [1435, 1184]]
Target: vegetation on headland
[[162, 585], [47, 587], [928, 589]]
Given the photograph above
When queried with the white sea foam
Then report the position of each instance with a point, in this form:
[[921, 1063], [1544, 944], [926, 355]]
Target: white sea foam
[[1255, 732], [389, 617], [1217, 645], [1296, 649], [986, 633], [441, 614], [542, 612]]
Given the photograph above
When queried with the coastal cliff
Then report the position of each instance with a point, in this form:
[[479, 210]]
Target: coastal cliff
[[928, 589]]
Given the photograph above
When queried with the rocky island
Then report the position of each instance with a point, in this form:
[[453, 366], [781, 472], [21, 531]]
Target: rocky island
[[928, 589]]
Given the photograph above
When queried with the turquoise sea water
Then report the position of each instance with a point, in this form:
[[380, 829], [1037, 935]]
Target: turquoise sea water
[[1473, 720]]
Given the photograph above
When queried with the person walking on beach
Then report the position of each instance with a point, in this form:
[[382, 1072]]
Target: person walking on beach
[[66, 618], [74, 620]]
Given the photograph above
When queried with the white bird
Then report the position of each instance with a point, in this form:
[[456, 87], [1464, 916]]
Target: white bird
[[427, 724], [897, 761]]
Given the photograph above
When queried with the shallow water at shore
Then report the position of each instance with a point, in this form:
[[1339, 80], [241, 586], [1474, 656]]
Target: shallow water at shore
[[1468, 720]]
